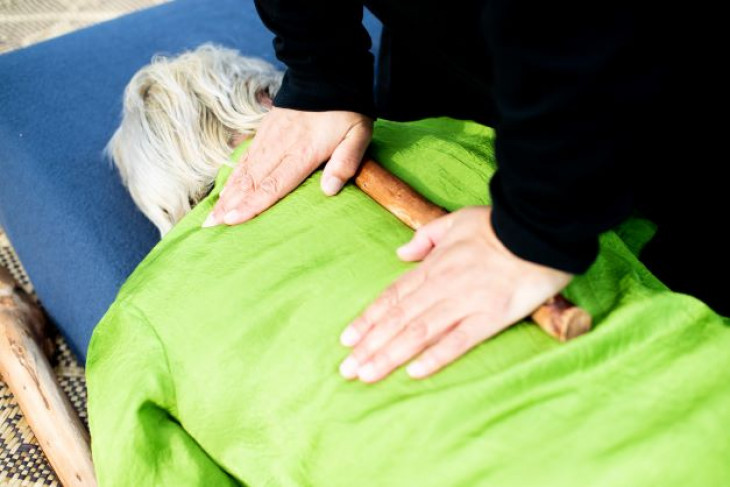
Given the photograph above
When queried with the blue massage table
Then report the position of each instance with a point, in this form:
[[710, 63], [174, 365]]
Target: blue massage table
[[62, 205]]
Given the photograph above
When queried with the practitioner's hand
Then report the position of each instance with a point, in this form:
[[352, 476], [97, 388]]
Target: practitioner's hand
[[288, 146], [468, 288]]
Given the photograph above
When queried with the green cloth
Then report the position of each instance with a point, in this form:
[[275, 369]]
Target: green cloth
[[218, 362]]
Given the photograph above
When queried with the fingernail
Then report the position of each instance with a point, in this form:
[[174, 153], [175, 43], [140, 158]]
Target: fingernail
[[210, 221], [416, 370], [230, 217], [348, 368], [233, 217], [331, 185], [366, 372], [349, 337]]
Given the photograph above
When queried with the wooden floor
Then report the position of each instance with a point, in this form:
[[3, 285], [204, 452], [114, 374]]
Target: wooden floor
[[22, 23]]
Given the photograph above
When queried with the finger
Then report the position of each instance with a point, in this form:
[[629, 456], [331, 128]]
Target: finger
[[235, 187], [274, 186], [239, 182], [346, 158], [384, 329], [425, 239], [256, 164], [429, 234], [238, 186], [456, 342], [388, 326], [266, 157], [413, 338], [389, 298], [246, 177], [239, 190]]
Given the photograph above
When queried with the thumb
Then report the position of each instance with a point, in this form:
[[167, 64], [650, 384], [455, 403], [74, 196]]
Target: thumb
[[425, 239], [346, 158]]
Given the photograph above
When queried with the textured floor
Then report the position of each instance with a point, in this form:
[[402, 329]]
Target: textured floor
[[25, 22], [21, 459]]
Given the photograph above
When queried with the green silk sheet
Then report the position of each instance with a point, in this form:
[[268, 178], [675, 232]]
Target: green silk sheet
[[217, 364]]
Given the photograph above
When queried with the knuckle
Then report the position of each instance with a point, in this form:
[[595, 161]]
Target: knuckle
[[383, 361], [459, 340], [222, 206], [364, 127], [233, 201], [362, 352], [244, 182], [270, 185], [345, 166], [417, 331], [395, 316], [438, 357], [368, 318], [421, 275], [391, 296]]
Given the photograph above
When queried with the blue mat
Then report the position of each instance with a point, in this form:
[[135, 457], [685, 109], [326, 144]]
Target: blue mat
[[63, 207]]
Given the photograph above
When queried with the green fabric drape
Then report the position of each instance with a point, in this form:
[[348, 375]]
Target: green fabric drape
[[217, 363]]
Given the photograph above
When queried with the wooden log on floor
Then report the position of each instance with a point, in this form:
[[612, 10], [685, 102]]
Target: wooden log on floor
[[26, 369]]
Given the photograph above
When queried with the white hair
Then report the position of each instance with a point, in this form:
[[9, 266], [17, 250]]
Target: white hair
[[180, 117]]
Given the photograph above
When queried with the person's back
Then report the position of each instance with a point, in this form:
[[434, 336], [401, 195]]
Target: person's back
[[584, 99], [217, 363]]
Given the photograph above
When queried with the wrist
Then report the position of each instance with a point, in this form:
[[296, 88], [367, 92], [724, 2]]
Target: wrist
[[326, 95], [571, 256]]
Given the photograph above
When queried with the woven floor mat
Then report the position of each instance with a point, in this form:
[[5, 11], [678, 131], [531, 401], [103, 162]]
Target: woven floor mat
[[21, 459], [25, 22]]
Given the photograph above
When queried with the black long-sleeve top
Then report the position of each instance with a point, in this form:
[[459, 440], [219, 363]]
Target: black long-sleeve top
[[572, 82]]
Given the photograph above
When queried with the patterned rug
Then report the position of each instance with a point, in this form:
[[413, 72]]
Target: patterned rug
[[24, 22], [21, 459]]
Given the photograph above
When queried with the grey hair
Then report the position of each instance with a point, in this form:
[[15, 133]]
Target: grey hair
[[180, 117]]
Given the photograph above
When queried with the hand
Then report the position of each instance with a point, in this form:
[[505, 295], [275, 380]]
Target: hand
[[288, 146], [468, 288]]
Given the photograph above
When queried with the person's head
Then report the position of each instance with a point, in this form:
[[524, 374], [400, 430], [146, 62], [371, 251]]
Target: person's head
[[181, 117]]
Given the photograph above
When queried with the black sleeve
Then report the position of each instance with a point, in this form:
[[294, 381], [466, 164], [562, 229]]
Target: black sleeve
[[562, 75], [326, 50]]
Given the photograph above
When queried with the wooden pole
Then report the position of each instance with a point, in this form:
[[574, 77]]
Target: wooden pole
[[558, 316], [28, 373]]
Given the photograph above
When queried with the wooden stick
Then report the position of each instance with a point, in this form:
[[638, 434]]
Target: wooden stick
[[28, 373], [558, 316]]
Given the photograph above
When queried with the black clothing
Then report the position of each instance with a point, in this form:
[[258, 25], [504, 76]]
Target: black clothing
[[585, 98], [326, 50]]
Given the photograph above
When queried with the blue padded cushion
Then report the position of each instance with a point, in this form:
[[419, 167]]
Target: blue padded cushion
[[62, 205]]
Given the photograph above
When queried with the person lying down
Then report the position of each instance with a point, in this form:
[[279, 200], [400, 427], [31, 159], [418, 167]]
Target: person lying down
[[217, 364]]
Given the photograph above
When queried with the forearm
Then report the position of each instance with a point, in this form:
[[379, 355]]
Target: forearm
[[326, 50], [560, 181]]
